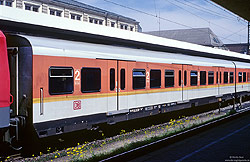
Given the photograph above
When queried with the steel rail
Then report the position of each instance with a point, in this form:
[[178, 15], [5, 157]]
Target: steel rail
[[143, 150]]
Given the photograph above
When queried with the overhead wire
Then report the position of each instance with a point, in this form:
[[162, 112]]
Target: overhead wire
[[235, 33], [156, 16], [146, 13], [198, 17], [203, 9], [207, 20], [230, 13]]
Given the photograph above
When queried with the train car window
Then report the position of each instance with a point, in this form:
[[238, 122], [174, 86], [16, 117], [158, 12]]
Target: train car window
[[210, 77], [169, 78], [217, 77], [193, 78], [112, 79], [240, 76], [248, 77], [220, 77], [90, 80], [8, 3], [203, 77], [244, 76], [155, 78], [185, 78], [122, 79], [139, 79], [231, 77], [225, 77], [179, 77], [61, 80]]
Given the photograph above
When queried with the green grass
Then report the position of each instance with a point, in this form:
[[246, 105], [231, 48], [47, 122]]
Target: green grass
[[134, 145]]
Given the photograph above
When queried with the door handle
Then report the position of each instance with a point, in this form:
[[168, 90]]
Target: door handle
[[41, 102]]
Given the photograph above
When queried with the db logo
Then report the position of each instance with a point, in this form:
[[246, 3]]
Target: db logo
[[77, 105]]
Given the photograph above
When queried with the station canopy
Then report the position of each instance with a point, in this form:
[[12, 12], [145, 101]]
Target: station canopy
[[239, 7]]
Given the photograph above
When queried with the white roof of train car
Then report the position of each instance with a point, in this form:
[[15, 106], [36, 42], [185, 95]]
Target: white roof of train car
[[23, 16], [65, 48]]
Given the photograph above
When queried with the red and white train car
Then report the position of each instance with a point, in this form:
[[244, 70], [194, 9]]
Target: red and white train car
[[64, 80]]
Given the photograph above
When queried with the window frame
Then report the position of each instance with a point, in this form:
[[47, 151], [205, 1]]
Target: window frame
[[185, 78], [55, 12], [196, 75], [225, 77], [240, 77], [203, 81], [217, 77], [31, 7], [155, 70], [72, 76], [100, 84], [136, 76], [74, 16], [180, 78], [9, 2], [231, 76], [169, 76], [244, 77], [210, 75], [123, 79], [111, 77]]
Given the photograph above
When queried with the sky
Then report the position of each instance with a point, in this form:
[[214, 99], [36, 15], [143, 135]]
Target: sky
[[179, 14]]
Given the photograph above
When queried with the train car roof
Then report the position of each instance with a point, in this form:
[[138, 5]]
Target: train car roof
[[28, 22], [65, 48]]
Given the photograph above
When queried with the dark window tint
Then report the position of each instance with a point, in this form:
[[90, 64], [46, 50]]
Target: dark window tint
[[225, 77], [203, 77], [169, 78], [35, 8], [61, 80], [220, 77], [244, 76], [52, 12], [91, 79], [155, 78], [122, 79], [185, 78], [210, 77], [231, 77], [91, 20], [1, 2], [179, 77], [8, 3], [193, 78], [58, 13], [217, 77], [112, 79], [27, 7], [78, 17], [240, 76], [139, 79]]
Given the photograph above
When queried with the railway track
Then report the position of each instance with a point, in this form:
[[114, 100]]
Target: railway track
[[13, 158], [156, 145]]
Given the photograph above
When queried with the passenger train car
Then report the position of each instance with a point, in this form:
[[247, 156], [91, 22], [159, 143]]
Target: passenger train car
[[56, 80]]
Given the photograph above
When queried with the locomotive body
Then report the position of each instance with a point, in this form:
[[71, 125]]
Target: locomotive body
[[4, 86]]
